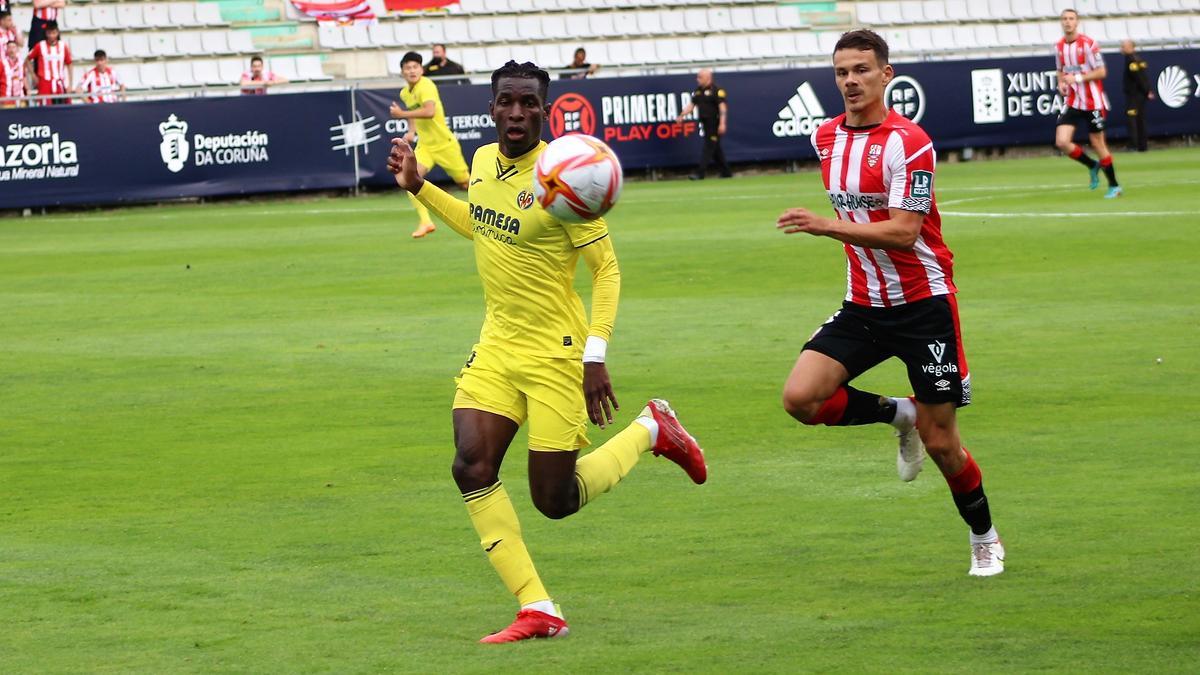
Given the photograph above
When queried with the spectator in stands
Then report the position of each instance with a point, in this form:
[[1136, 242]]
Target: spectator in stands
[[709, 100], [256, 80], [439, 66], [101, 83], [12, 76], [580, 67], [44, 12], [49, 66], [1137, 92], [9, 31]]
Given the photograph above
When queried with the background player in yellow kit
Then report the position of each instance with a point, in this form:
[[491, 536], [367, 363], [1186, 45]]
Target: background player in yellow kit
[[538, 358], [436, 144]]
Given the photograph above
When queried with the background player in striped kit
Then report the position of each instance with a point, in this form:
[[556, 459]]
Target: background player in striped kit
[[101, 83], [878, 170], [1081, 74]]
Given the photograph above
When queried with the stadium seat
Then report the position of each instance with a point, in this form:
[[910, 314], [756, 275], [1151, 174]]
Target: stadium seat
[[826, 41], [695, 20], [600, 52], [356, 35], [505, 29], [474, 6], [1023, 9], [934, 11], [643, 51], [650, 22], [129, 16], [129, 75], [789, 17], [156, 15], [555, 25], [546, 55], [179, 74], [82, 47], [72, 19], [153, 75], [104, 17], [985, 34], [408, 33], [1160, 29], [162, 44], [241, 42], [330, 36], [135, 44], [1113, 7], [209, 14], [214, 42], [956, 10], [432, 32], [393, 62], [205, 71], [779, 45], [521, 6], [284, 66], [111, 44], [308, 67], [496, 56], [1007, 35], [1051, 32], [1029, 34], [911, 12], [382, 34], [945, 38], [231, 70], [625, 23], [190, 43], [456, 31], [999, 10], [182, 14], [1138, 30], [741, 18], [919, 39], [691, 50], [601, 26], [807, 44], [867, 13], [1097, 29], [1184, 30], [718, 18], [474, 59], [765, 18], [890, 14], [480, 29], [1085, 8], [522, 53], [897, 39], [668, 51], [673, 21]]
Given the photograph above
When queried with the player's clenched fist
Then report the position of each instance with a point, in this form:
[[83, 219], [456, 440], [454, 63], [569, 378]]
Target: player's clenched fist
[[403, 164], [801, 220]]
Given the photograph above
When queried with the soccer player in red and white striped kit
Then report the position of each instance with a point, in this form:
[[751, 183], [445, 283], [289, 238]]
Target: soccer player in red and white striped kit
[[878, 169], [1081, 75]]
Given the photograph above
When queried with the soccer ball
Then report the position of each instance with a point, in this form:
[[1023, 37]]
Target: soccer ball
[[577, 178]]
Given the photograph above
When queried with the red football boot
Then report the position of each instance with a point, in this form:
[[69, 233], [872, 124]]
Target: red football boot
[[675, 443], [530, 624]]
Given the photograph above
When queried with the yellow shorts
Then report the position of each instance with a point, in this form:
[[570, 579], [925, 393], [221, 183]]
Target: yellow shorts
[[448, 156], [547, 391]]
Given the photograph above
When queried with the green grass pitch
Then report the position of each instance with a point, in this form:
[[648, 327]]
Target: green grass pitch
[[225, 443]]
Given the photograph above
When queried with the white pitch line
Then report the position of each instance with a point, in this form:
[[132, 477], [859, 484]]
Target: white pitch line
[[1081, 214]]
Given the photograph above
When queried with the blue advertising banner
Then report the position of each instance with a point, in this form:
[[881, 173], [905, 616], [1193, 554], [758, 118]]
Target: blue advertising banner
[[154, 150]]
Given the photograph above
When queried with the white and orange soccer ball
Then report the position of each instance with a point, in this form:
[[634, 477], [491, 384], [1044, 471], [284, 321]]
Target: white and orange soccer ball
[[577, 178]]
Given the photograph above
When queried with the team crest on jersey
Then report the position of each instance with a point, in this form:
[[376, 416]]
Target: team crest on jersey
[[525, 199], [873, 154]]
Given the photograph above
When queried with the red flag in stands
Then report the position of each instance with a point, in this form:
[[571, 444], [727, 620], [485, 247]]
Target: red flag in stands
[[340, 11], [402, 5]]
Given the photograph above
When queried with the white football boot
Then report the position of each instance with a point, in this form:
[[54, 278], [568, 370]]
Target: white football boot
[[987, 560], [911, 455]]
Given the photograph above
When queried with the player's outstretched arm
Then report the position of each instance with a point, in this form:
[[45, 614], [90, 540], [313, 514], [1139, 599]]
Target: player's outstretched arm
[[402, 163], [900, 231], [601, 259]]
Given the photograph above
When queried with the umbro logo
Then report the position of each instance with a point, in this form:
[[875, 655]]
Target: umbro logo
[[942, 385], [802, 114], [938, 349]]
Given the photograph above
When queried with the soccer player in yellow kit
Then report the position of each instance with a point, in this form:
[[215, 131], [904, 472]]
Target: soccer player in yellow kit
[[436, 144], [538, 358]]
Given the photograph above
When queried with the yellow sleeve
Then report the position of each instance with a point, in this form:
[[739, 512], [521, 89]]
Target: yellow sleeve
[[601, 259], [454, 212]]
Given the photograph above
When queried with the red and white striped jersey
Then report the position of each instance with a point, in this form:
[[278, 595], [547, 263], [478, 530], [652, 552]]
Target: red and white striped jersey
[[102, 86], [866, 172], [1081, 56], [46, 13], [50, 62], [13, 74], [7, 36]]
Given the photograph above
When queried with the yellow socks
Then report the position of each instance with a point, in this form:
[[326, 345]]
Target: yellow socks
[[422, 212], [495, 520], [598, 471]]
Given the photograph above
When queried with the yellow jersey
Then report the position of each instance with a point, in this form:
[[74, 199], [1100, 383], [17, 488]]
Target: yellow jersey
[[432, 131], [527, 259]]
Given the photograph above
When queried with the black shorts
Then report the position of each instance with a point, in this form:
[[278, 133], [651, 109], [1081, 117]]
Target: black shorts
[[1094, 119], [924, 335]]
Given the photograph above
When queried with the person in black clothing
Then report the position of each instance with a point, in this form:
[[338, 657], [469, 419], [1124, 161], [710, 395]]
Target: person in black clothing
[[439, 66], [579, 66], [1137, 92], [709, 100]]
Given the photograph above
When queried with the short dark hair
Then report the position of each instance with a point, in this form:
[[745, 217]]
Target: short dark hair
[[4, 13], [438, 44], [523, 71], [864, 40], [580, 50], [50, 25], [100, 54], [1069, 10], [255, 58], [411, 56]]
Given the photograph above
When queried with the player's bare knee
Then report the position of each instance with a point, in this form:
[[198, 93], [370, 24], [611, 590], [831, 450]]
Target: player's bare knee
[[472, 471], [1065, 146], [555, 505], [800, 405]]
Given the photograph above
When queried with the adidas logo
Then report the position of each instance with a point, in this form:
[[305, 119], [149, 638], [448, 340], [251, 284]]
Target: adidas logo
[[802, 114]]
